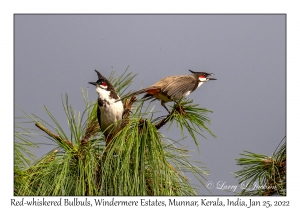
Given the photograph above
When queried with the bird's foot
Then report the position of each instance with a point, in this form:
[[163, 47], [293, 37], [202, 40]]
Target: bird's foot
[[180, 109]]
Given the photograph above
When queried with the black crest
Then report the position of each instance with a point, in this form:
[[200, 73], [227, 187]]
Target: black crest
[[110, 87]]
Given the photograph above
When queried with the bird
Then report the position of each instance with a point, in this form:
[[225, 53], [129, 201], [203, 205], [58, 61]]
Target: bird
[[109, 111], [173, 88]]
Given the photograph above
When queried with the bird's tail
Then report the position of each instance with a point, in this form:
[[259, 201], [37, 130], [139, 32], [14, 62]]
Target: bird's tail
[[134, 93]]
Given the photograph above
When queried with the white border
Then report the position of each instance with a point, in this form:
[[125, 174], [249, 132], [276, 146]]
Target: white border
[[8, 8]]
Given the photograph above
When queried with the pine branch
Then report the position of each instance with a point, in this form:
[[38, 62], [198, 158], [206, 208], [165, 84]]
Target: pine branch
[[138, 161], [127, 109], [266, 171], [91, 130], [53, 135], [164, 121]]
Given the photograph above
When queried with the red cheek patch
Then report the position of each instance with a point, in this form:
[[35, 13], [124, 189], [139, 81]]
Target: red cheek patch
[[104, 84], [202, 76]]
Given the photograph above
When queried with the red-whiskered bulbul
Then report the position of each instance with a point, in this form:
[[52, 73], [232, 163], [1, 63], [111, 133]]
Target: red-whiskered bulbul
[[174, 87], [109, 109]]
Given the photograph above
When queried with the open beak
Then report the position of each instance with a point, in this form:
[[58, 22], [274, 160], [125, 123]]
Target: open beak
[[93, 83], [210, 78]]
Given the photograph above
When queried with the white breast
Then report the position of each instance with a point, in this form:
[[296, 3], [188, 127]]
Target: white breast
[[111, 112]]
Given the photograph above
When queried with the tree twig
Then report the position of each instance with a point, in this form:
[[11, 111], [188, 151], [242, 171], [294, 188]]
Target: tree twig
[[90, 131], [53, 135], [127, 109], [164, 121]]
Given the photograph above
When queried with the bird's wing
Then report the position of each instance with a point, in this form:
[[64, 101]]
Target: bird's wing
[[98, 112], [180, 86], [99, 117]]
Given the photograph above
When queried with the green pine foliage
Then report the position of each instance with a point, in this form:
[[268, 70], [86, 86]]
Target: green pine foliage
[[23, 157], [262, 174], [139, 159]]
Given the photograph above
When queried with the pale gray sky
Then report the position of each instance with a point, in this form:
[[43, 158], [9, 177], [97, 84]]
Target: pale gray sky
[[57, 54]]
